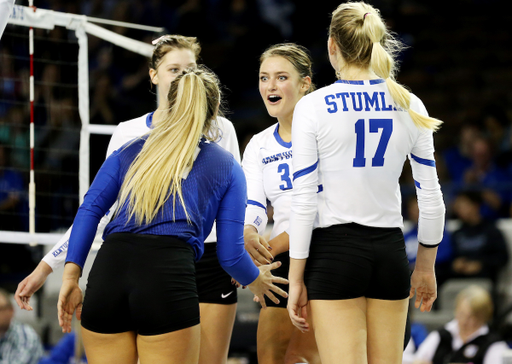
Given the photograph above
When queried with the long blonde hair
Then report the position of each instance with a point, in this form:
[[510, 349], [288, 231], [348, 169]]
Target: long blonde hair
[[170, 149], [364, 40]]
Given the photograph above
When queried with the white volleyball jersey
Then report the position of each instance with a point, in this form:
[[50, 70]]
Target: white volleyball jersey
[[123, 133], [350, 139], [267, 164], [5, 11]]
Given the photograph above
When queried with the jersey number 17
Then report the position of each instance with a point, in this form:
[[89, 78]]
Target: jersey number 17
[[375, 124]]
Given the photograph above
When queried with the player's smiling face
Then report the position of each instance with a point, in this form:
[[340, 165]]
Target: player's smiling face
[[171, 65], [281, 86]]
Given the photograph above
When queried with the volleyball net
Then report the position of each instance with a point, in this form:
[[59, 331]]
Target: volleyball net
[[57, 111]]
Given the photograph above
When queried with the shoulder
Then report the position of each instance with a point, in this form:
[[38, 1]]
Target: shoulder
[[214, 161], [129, 148], [318, 95], [215, 152], [128, 130], [225, 124], [319, 99], [264, 135], [417, 105], [138, 122]]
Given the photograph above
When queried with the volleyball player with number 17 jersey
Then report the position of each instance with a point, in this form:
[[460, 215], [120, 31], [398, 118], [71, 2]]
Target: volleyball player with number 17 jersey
[[353, 138]]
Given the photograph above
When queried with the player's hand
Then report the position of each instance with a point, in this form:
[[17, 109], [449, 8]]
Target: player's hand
[[297, 306], [423, 284], [264, 284], [31, 284], [70, 299], [257, 247]]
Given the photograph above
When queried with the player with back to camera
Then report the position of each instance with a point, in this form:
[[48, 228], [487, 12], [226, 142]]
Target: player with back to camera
[[217, 296], [171, 184], [285, 76], [352, 139]]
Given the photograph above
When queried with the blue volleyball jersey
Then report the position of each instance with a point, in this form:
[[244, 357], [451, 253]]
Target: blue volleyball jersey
[[214, 188]]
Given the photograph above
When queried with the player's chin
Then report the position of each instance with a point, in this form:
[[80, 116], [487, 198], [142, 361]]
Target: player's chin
[[272, 110]]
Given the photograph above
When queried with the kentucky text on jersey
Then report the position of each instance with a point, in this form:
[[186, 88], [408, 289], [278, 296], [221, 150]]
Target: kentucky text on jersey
[[62, 249], [359, 101], [277, 157]]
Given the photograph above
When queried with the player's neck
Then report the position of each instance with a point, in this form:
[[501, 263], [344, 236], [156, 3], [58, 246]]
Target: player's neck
[[356, 73], [285, 128], [157, 116]]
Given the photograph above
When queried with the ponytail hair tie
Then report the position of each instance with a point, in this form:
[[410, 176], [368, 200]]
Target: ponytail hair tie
[[364, 16]]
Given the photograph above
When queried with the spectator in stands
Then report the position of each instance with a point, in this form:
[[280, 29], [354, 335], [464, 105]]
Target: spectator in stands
[[467, 338], [458, 157], [485, 174], [479, 248], [19, 343], [497, 127]]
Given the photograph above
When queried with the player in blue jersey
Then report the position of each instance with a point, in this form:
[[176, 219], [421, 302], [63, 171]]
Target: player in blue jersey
[[217, 296], [352, 138], [285, 76], [170, 184]]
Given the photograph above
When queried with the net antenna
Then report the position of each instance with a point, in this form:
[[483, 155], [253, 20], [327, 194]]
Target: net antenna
[[32, 17]]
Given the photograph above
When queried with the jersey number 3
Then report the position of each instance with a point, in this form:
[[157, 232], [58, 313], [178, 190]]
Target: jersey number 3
[[375, 124], [284, 169]]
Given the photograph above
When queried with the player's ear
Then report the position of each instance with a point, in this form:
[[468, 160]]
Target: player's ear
[[306, 84], [153, 75]]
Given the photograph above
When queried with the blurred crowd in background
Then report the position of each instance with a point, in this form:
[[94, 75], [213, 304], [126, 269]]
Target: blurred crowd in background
[[457, 62]]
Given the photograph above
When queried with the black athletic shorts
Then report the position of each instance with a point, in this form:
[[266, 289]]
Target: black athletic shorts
[[213, 283], [282, 271], [350, 260], [142, 283]]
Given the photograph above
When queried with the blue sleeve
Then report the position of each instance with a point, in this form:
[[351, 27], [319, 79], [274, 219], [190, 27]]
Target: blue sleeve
[[101, 196], [62, 352], [419, 333], [231, 252]]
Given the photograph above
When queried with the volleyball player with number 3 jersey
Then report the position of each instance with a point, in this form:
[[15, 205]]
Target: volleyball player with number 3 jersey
[[347, 251], [285, 76]]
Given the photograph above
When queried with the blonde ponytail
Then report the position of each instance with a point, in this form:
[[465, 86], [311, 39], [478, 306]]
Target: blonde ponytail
[[170, 149], [364, 40], [382, 64]]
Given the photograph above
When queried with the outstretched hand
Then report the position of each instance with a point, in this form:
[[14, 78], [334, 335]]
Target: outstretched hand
[[264, 284], [424, 285], [70, 299]]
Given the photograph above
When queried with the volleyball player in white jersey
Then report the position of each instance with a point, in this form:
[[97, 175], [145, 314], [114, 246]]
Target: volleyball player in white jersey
[[217, 296], [352, 139], [5, 11], [285, 76]]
